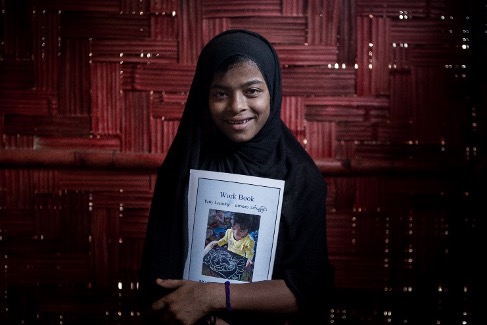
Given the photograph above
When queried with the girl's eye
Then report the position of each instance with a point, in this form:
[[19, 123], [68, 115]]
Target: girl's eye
[[253, 91], [218, 94]]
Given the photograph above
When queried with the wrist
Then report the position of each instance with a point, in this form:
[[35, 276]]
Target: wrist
[[216, 297]]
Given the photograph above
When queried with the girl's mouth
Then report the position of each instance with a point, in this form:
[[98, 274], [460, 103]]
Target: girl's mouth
[[238, 122]]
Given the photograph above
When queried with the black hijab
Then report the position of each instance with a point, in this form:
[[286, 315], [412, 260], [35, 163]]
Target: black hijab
[[301, 256]]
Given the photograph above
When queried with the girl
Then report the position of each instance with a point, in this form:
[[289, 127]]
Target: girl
[[231, 123]]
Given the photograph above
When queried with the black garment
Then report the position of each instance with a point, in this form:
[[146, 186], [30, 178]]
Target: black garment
[[301, 255]]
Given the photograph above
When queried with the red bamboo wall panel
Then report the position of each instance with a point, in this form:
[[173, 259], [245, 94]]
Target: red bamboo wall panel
[[68, 157], [103, 181], [218, 9], [74, 5], [19, 222], [26, 102], [134, 51], [362, 131], [166, 134], [75, 82], [347, 33], [17, 75], [412, 9], [315, 104], [286, 30], [48, 46], [167, 106], [18, 27], [135, 122], [292, 114], [44, 180], [379, 92], [104, 230], [318, 81], [78, 143], [47, 125], [163, 26], [140, 7], [36, 268], [163, 6], [320, 139], [323, 21], [430, 92], [436, 32], [363, 59], [373, 56], [401, 99], [307, 55], [17, 186], [105, 25], [162, 77], [190, 30], [18, 142], [166, 110], [344, 114], [105, 99], [293, 7], [395, 132], [213, 27]]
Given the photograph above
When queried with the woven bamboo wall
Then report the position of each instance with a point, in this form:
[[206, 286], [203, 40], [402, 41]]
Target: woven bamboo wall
[[381, 94]]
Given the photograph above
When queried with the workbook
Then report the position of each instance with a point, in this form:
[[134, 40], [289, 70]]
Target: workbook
[[233, 225]]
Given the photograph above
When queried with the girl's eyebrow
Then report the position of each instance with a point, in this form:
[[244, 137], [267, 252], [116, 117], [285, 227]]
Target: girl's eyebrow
[[245, 84]]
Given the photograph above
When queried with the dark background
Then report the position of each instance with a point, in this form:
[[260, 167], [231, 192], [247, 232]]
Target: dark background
[[387, 96]]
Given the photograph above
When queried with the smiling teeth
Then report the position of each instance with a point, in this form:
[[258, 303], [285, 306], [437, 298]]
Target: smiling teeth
[[239, 122]]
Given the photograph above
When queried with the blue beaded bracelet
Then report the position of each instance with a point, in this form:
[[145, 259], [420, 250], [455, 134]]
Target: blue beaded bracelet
[[227, 296]]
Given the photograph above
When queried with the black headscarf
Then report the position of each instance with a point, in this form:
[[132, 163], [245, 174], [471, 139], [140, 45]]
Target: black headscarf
[[301, 255]]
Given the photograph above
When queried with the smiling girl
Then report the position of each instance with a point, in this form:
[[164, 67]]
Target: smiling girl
[[231, 123]]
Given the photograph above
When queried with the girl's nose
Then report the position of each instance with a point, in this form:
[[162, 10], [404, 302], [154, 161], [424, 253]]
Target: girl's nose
[[237, 102]]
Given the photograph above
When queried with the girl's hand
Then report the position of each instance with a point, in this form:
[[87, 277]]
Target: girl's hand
[[189, 302]]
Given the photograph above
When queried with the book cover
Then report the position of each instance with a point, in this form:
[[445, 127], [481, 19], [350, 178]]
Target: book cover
[[233, 224]]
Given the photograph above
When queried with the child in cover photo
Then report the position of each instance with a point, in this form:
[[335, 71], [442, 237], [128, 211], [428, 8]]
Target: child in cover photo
[[232, 256]]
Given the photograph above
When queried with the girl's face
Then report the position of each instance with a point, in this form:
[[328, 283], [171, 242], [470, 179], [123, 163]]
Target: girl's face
[[239, 233], [240, 101]]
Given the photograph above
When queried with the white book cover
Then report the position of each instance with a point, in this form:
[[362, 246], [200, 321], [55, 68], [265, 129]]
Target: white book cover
[[217, 200]]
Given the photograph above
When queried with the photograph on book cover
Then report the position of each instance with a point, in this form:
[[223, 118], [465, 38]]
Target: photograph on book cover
[[233, 223]]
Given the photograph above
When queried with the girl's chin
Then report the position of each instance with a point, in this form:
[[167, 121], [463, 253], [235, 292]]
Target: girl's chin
[[240, 137]]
